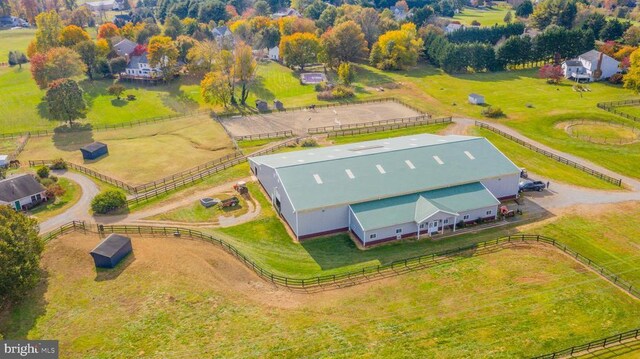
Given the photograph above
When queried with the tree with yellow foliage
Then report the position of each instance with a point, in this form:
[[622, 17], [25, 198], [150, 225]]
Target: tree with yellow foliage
[[72, 35], [299, 49], [632, 78], [397, 49], [164, 55]]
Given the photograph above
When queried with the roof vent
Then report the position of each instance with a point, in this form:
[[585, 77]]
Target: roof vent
[[410, 164], [317, 178], [380, 169], [364, 148], [438, 160], [469, 155], [350, 174]]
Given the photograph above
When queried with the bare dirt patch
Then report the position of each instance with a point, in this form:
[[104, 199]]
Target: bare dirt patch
[[300, 121]]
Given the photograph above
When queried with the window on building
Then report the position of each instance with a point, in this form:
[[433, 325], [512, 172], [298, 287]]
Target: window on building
[[398, 230], [373, 236], [489, 212], [421, 225], [466, 216], [446, 221]]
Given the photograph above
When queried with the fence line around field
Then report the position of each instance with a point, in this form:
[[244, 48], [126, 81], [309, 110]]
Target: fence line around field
[[267, 135], [371, 272], [365, 273], [611, 107], [14, 155], [43, 133], [326, 129], [391, 127], [600, 175], [324, 105], [600, 140], [87, 171], [612, 340]]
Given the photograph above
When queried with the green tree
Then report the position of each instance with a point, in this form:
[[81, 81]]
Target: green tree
[[632, 36], [43, 172], [346, 73], [314, 10], [299, 49], [524, 9], [49, 26], [245, 69], [163, 54], [88, 54], [117, 65], [173, 27], [65, 102], [109, 201], [20, 250], [215, 89], [327, 18], [116, 90], [554, 12], [613, 30], [262, 8], [508, 17], [344, 42], [57, 63]]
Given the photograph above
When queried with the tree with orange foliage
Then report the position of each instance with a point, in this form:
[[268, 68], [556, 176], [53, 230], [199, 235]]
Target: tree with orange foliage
[[163, 54], [108, 30], [72, 35], [343, 43]]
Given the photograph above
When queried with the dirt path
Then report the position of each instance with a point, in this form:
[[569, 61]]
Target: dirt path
[[80, 210]]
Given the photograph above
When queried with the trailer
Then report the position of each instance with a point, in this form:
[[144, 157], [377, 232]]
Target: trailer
[[230, 202]]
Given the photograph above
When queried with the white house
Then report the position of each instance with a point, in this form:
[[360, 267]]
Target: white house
[[105, 5], [13, 21], [285, 13], [399, 13], [590, 66], [4, 160], [223, 36], [21, 192], [452, 27], [124, 47], [387, 189], [139, 67], [274, 53]]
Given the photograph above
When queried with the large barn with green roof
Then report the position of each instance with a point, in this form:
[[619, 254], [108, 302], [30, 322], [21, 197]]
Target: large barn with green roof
[[388, 189]]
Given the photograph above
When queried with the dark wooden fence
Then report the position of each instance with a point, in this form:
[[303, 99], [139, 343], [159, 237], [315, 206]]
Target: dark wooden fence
[[325, 129], [324, 105], [613, 340], [611, 107], [87, 171], [395, 126], [20, 148], [568, 162], [260, 136]]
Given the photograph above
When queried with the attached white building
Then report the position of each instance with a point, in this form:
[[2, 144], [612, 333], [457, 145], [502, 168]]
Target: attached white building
[[139, 67], [590, 66], [452, 27], [387, 189], [274, 53], [21, 192]]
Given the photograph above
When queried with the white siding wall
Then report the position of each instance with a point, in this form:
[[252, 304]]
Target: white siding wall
[[269, 180], [325, 220], [390, 232], [502, 187], [355, 226], [609, 68]]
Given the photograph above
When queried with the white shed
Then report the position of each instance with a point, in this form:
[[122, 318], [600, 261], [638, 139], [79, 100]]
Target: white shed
[[274, 53], [4, 160], [476, 99]]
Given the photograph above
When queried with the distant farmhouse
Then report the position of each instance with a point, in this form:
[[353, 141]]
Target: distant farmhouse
[[590, 66], [223, 36], [285, 13], [106, 5], [399, 13], [12, 21], [453, 26], [388, 189], [21, 192], [274, 53], [137, 65]]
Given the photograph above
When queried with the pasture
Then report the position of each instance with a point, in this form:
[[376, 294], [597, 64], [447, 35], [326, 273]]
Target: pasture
[[141, 153], [485, 16], [178, 296]]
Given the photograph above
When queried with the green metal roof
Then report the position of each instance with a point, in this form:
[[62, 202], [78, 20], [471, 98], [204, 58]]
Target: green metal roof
[[419, 207], [365, 171]]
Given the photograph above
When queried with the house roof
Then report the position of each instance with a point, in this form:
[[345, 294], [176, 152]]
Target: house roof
[[593, 57], [365, 171], [476, 96], [573, 63], [111, 245], [422, 206], [125, 47], [137, 60], [20, 186], [221, 31], [101, 3], [92, 147]]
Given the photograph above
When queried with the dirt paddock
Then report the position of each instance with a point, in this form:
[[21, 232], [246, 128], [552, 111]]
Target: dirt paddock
[[300, 121]]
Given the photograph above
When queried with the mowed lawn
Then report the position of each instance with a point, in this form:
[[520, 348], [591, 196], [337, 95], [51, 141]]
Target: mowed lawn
[[487, 16], [72, 194], [543, 165], [141, 153], [180, 297]]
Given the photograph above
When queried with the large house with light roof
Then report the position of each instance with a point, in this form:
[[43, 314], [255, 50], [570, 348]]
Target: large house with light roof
[[388, 189]]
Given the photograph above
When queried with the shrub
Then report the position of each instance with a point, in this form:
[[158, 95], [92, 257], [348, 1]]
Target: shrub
[[108, 201], [492, 112], [616, 79], [43, 172], [45, 182], [58, 164], [322, 86], [339, 92], [475, 23], [55, 190], [309, 142], [53, 178]]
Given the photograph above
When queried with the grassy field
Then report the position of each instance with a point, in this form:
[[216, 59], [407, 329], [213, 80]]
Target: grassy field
[[486, 17], [12, 40], [62, 203], [604, 131], [197, 213], [141, 153], [339, 140], [182, 297], [631, 110], [542, 165]]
